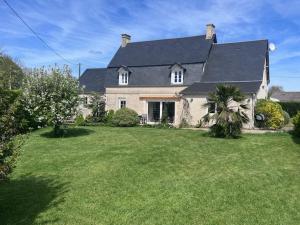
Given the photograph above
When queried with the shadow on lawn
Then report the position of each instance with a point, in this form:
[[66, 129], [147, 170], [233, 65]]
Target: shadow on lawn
[[22, 200], [296, 139], [69, 132]]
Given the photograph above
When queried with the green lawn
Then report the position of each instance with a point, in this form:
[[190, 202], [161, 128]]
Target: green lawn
[[137, 176]]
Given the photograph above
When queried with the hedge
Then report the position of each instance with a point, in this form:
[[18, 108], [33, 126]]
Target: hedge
[[290, 107], [296, 122]]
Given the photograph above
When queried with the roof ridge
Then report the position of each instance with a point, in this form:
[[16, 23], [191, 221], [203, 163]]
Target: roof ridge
[[166, 39], [289, 92], [231, 81], [239, 42], [102, 68]]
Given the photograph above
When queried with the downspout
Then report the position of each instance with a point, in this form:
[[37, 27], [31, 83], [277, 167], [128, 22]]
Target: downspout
[[253, 95]]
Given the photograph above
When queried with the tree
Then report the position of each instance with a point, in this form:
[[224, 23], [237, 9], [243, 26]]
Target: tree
[[229, 115], [51, 96], [98, 108], [11, 74]]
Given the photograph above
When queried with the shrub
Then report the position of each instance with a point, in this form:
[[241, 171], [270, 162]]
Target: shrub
[[159, 125], [199, 124], [226, 130], [98, 108], [8, 154], [184, 123], [296, 122], [287, 118], [125, 118], [274, 115], [291, 107], [228, 121], [79, 120], [109, 116]]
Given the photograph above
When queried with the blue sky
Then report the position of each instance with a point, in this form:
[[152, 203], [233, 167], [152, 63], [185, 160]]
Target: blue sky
[[89, 31]]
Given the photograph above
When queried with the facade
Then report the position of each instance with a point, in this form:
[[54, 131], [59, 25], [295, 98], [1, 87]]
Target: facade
[[174, 76]]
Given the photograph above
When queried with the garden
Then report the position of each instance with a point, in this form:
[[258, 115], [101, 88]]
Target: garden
[[57, 167], [111, 175]]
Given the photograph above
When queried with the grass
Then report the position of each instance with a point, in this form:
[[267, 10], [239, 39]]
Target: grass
[[139, 176]]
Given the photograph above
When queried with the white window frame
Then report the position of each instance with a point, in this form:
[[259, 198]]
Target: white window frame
[[123, 77], [177, 76], [120, 103]]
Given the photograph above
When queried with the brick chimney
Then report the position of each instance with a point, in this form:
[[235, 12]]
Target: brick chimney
[[210, 31], [125, 39]]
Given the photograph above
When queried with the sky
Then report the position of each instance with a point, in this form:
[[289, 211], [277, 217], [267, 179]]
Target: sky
[[88, 31]]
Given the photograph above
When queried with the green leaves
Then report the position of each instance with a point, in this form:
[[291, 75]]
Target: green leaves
[[229, 116], [273, 113], [11, 74]]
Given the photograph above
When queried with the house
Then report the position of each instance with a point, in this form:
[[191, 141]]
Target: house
[[174, 76], [284, 96]]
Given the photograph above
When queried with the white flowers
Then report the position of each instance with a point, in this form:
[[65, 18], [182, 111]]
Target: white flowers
[[51, 95]]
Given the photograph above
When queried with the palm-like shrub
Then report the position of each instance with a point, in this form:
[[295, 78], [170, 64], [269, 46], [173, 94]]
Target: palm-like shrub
[[229, 116]]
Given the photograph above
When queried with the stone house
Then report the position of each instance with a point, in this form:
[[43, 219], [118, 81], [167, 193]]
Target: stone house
[[174, 76]]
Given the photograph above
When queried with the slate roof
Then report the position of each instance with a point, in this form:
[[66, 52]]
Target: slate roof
[[241, 61], [163, 52], [283, 96], [241, 64], [93, 80], [201, 88], [157, 75]]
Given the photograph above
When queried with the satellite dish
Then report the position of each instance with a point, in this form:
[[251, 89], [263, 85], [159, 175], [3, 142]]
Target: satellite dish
[[272, 47]]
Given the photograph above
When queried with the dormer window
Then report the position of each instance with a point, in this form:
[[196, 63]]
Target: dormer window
[[177, 74], [123, 75], [123, 78]]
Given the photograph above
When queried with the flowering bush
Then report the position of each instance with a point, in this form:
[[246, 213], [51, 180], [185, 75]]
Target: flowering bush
[[51, 96], [274, 115]]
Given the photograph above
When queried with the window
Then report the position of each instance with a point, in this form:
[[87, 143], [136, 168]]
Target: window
[[123, 78], [212, 107], [85, 100], [177, 76], [122, 104]]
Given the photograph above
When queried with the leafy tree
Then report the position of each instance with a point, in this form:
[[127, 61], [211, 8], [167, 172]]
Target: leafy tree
[[229, 116], [51, 96], [11, 74]]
